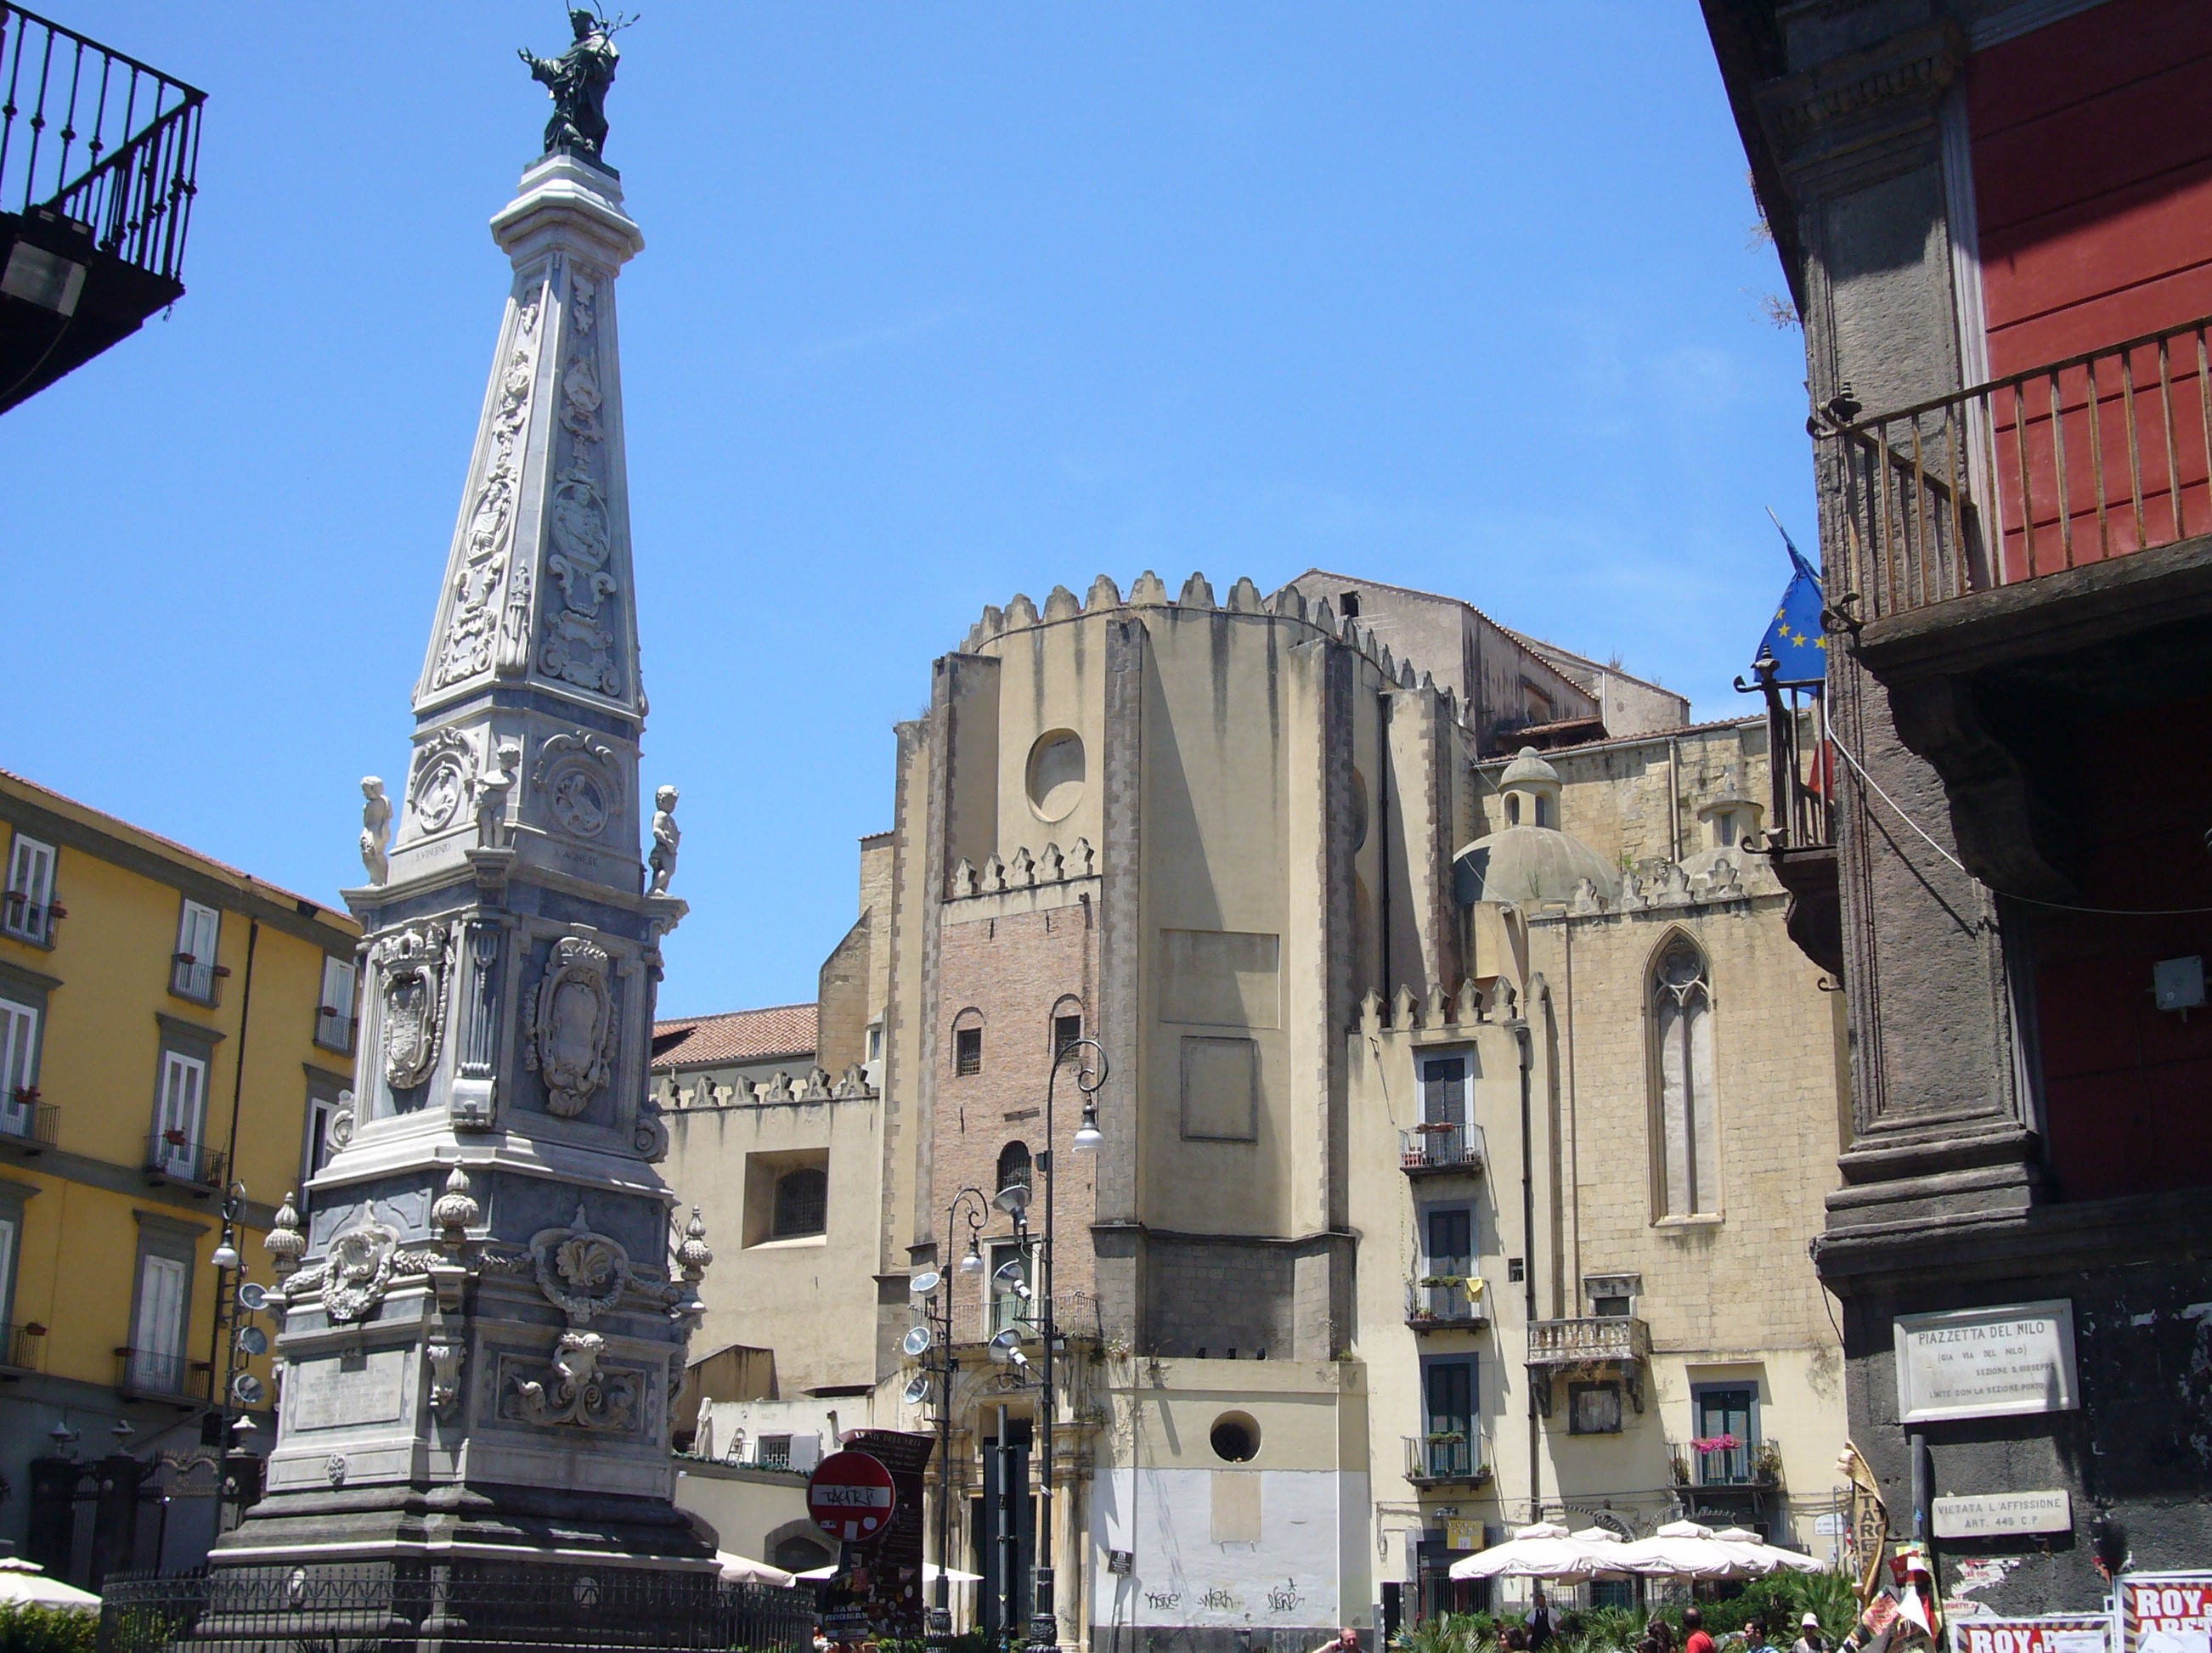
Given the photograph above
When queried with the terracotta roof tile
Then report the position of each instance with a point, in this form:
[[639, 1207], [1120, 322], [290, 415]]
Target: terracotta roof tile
[[738, 1036]]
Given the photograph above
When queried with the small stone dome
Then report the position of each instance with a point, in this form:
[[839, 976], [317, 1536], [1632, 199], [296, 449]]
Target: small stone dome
[[1527, 766], [1530, 866]]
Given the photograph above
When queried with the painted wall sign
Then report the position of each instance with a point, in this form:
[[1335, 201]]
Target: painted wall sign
[[1995, 1515], [1986, 1363], [2059, 1632], [2165, 1612], [1463, 1534]]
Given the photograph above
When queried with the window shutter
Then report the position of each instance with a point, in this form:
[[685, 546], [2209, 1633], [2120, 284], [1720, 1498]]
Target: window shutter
[[337, 986]]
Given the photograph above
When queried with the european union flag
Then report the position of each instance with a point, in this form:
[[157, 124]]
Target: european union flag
[[1794, 637]]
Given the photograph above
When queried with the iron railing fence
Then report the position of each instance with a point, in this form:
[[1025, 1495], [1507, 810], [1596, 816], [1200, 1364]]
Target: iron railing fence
[[1801, 768], [1442, 1300], [28, 1124], [23, 1348], [29, 920], [196, 979], [99, 138], [1440, 1147], [334, 1028], [160, 1375], [2070, 463], [173, 1154], [567, 1607], [1448, 1455]]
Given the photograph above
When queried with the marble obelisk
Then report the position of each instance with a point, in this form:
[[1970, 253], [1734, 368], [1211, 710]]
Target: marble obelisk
[[487, 1304]]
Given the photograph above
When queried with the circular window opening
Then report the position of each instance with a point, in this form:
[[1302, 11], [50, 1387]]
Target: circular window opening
[[1056, 774], [1235, 1437]]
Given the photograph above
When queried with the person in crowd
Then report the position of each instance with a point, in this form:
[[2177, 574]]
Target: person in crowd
[[1810, 1639], [1347, 1641], [1540, 1624], [1515, 1640], [1648, 1644], [1694, 1636], [1661, 1631], [1754, 1637]]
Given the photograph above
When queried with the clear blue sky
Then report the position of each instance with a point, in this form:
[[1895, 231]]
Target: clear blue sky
[[939, 303]]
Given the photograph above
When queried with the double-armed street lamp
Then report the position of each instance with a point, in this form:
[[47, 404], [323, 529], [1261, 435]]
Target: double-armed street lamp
[[1036, 1310]]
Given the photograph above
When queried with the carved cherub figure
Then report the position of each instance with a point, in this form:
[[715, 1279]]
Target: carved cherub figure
[[492, 791], [375, 824], [665, 837]]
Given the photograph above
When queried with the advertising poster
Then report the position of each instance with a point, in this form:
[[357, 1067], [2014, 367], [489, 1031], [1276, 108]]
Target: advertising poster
[[2058, 1632], [2164, 1613]]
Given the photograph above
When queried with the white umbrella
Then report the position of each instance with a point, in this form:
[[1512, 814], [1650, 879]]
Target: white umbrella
[[743, 1570], [1773, 1555], [929, 1571], [1543, 1551], [25, 1583], [1683, 1549]]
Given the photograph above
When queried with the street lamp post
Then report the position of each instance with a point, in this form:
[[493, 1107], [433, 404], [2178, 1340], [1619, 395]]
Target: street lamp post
[[1044, 1620], [937, 1305]]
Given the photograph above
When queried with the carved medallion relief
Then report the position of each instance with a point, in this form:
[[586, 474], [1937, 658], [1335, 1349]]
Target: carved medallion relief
[[580, 781], [411, 966], [445, 768], [573, 1034]]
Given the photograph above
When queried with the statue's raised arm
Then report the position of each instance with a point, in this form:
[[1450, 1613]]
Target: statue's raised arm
[[578, 81]]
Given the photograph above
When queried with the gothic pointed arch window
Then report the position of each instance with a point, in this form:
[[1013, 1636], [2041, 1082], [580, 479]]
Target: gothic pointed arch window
[[1686, 1148]]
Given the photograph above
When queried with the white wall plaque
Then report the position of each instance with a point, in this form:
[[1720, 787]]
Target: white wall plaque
[[1986, 1363], [332, 1391], [1995, 1515]]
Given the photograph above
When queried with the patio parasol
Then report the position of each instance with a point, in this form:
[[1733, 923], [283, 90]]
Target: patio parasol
[[25, 1583], [1543, 1551]]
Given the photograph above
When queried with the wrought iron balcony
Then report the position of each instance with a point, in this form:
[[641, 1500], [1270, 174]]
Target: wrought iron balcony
[[1441, 1302], [1612, 1345], [156, 1375], [173, 1157], [27, 1125], [334, 1029], [196, 979], [1430, 1149], [23, 1348], [2093, 457], [1448, 1458], [24, 919], [99, 155]]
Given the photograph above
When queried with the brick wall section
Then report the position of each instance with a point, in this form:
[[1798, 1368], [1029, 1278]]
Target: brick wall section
[[1014, 969]]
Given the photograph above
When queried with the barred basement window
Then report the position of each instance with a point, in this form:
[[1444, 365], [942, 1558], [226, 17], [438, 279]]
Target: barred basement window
[[802, 1203], [968, 1050], [1014, 1166]]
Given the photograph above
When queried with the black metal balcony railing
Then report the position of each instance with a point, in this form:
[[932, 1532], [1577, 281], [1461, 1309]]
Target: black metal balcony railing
[[1725, 1466], [174, 1155], [2070, 463], [23, 1348], [28, 921], [99, 138], [195, 978], [334, 1029], [163, 1375], [1440, 1148], [1439, 1302], [29, 1125], [1461, 1455]]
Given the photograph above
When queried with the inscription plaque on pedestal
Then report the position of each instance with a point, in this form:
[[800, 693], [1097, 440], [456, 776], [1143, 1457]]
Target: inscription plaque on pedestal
[[1986, 1363], [339, 1390]]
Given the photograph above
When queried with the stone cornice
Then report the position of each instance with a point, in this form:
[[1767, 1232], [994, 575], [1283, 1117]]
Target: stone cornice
[[1862, 99]]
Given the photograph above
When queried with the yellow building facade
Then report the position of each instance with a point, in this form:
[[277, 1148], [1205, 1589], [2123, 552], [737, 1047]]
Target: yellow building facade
[[174, 1034]]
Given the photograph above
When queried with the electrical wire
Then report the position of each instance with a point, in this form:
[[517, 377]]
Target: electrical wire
[[1828, 733]]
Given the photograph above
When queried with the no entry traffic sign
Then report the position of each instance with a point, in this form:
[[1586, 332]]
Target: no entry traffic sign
[[851, 1497]]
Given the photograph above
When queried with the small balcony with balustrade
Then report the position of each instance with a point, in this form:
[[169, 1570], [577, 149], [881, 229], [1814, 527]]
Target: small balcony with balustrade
[[1589, 1346]]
